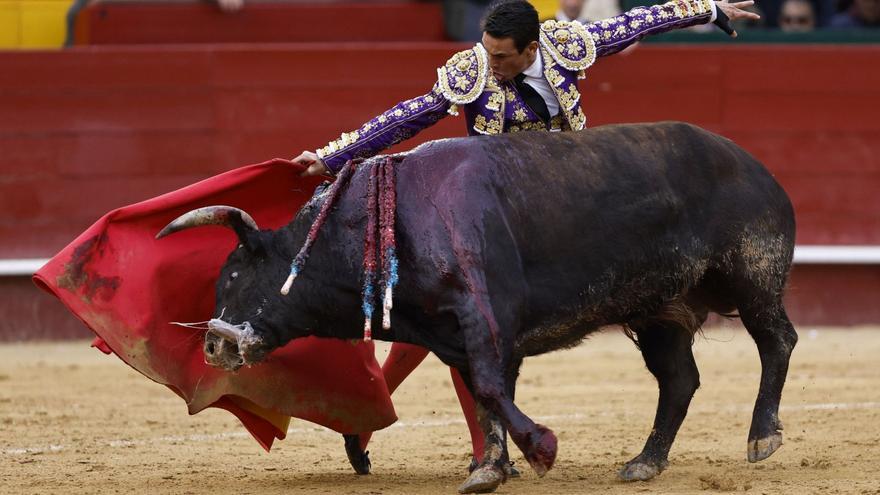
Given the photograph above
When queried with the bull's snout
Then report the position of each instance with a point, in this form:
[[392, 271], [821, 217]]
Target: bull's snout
[[222, 353], [231, 346]]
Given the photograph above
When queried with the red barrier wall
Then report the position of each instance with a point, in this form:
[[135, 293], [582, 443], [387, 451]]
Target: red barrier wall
[[86, 130]]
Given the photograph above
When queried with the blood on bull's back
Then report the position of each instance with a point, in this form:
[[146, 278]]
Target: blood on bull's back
[[596, 227]]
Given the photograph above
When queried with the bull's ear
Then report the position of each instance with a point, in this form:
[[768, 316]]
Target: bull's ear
[[252, 240], [248, 236]]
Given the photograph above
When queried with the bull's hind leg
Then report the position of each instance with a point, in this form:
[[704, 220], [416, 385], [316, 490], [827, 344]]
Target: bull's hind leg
[[769, 326], [666, 348]]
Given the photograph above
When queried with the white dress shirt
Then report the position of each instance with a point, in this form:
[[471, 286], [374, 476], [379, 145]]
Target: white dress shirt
[[535, 78]]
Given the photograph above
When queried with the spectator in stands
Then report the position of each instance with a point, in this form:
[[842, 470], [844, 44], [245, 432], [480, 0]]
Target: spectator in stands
[[861, 14], [771, 12], [72, 12], [462, 19], [797, 16], [230, 5], [587, 10]]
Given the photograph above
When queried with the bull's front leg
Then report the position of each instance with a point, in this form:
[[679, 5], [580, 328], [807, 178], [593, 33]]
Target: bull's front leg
[[490, 472], [492, 378]]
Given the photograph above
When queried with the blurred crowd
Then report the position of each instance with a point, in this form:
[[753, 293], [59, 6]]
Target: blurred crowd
[[795, 16], [785, 15], [792, 16]]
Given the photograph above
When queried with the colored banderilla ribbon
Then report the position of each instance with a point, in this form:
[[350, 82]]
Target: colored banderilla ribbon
[[381, 214]]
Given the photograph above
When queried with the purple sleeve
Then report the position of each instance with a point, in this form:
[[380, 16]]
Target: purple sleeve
[[614, 34], [403, 121]]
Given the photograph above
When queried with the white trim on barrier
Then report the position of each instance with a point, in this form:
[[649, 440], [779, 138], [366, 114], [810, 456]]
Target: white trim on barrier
[[23, 267], [837, 255], [804, 255]]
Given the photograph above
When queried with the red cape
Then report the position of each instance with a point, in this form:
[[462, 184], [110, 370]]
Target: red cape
[[127, 287]]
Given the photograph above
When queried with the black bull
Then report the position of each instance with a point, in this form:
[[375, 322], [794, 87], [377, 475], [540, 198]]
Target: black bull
[[516, 245]]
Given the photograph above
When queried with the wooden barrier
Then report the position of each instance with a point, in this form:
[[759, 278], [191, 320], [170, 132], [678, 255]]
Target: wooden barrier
[[90, 129]]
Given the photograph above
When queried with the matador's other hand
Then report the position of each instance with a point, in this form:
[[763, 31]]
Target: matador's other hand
[[732, 12], [313, 164]]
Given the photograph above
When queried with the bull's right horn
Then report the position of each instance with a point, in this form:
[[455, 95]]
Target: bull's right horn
[[225, 216]]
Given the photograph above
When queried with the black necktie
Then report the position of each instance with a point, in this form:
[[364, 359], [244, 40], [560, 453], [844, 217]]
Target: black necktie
[[532, 98]]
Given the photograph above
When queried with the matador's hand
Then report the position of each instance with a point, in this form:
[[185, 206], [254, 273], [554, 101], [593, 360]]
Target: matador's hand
[[732, 12], [315, 166]]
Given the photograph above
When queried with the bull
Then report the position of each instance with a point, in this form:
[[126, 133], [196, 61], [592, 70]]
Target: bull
[[517, 245]]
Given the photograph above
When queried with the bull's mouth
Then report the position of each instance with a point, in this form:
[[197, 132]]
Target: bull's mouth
[[231, 346]]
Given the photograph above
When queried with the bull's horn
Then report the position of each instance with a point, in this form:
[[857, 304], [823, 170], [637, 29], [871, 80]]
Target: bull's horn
[[225, 216]]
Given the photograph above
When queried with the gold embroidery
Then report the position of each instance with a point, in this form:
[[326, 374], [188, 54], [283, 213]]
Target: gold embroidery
[[569, 43], [463, 78], [495, 124], [553, 76], [492, 126], [519, 115], [495, 101], [569, 98], [527, 126]]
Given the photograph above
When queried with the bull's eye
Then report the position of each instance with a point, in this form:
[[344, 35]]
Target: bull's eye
[[232, 276]]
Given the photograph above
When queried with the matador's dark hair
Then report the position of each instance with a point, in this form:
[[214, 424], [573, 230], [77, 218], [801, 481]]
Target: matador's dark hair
[[515, 19]]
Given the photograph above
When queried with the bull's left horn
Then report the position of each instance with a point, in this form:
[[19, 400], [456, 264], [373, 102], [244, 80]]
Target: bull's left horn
[[225, 216]]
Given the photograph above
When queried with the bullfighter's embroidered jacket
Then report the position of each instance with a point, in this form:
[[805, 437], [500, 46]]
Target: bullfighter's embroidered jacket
[[493, 107]]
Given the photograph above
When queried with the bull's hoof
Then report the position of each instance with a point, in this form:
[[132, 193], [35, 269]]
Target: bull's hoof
[[542, 453], [359, 459], [484, 479], [509, 470], [763, 448], [640, 469]]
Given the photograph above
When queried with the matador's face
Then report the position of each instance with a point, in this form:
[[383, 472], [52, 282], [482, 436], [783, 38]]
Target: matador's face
[[505, 61]]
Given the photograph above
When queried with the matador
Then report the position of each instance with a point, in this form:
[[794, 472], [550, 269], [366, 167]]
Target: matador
[[522, 76]]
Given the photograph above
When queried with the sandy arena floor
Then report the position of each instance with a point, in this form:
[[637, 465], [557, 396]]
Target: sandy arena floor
[[75, 421]]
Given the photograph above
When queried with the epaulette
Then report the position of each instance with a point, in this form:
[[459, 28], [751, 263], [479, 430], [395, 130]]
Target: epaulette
[[464, 76], [569, 43]]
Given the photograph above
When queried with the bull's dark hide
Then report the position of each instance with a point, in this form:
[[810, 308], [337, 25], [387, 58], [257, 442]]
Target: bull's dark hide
[[522, 244]]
